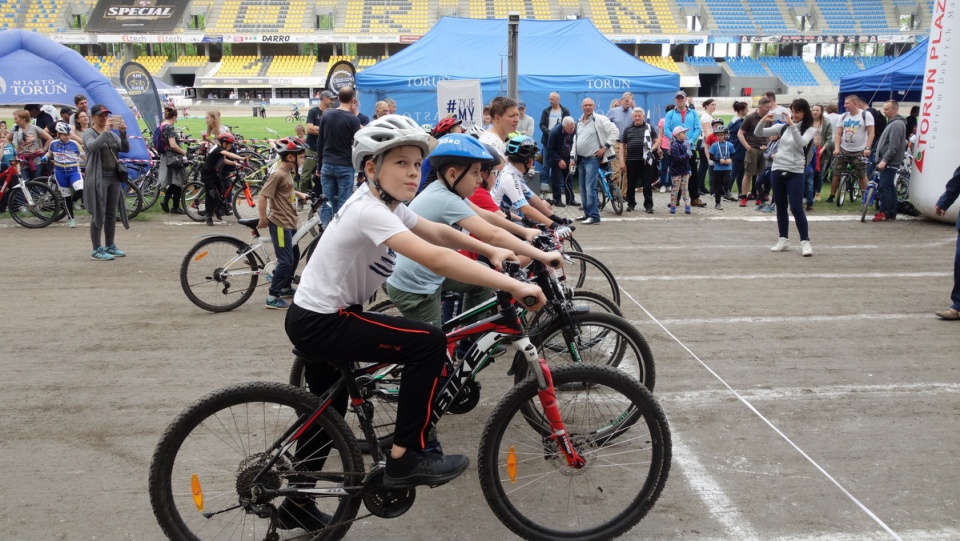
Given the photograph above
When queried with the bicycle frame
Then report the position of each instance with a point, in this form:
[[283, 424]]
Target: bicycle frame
[[604, 183], [11, 180]]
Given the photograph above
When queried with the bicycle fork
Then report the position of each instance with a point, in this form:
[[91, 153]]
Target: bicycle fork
[[548, 400]]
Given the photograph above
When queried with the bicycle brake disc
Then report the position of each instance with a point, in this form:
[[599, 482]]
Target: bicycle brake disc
[[387, 502], [467, 398]]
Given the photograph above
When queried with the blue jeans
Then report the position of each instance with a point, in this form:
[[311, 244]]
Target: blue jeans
[[808, 188], [288, 254], [736, 177], [955, 294], [665, 170], [888, 194], [587, 170], [337, 183], [789, 188]]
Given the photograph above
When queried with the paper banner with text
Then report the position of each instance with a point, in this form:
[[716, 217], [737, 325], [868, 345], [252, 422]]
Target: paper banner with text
[[461, 98]]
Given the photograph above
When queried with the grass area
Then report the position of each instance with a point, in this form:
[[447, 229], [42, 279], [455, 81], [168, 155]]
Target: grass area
[[248, 126]]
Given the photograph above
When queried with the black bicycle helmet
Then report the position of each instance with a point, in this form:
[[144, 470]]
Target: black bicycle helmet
[[521, 148]]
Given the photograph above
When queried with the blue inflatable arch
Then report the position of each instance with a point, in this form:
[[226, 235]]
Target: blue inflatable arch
[[34, 69]]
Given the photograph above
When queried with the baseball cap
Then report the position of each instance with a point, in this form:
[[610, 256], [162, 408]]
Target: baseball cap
[[327, 94], [679, 130], [31, 106], [521, 105], [66, 111], [680, 94], [99, 109]]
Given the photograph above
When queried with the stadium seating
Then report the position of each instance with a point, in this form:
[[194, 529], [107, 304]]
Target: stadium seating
[[836, 67], [107, 65], [632, 16], [744, 66], [871, 16], [730, 17], [387, 17], [498, 9], [662, 62], [767, 15], [791, 69], [360, 62], [42, 15], [262, 16], [191, 61], [836, 16], [243, 66], [871, 61], [706, 61], [291, 66], [153, 63], [8, 13]]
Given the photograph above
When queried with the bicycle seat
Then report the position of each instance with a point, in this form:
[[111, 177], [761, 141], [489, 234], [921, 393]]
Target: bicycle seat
[[250, 222]]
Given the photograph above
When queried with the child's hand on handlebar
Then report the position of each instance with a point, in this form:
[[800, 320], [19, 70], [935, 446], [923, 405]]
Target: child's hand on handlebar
[[526, 293], [498, 255], [551, 259]]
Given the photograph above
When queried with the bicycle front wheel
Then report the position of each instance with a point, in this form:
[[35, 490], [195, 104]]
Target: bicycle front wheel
[[615, 424], [244, 207], [868, 197], [132, 199], [601, 198], [842, 190], [616, 199], [195, 201], [289, 119], [219, 273], [213, 459], [583, 272], [149, 188], [595, 338], [38, 207]]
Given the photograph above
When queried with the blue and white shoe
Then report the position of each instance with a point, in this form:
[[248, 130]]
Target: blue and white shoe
[[114, 251], [100, 254], [287, 293], [276, 303]]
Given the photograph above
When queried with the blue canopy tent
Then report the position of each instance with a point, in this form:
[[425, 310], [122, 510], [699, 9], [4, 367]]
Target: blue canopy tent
[[34, 69], [900, 79], [570, 57]]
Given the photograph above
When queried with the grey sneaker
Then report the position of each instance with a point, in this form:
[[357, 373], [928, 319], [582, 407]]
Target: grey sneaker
[[114, 251], [100, 254], [416, 468], [718, 207]]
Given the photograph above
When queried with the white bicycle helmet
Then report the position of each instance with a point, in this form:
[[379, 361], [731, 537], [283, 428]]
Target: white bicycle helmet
[[475, 131], [63, 127], [384, 133], [374, 140]]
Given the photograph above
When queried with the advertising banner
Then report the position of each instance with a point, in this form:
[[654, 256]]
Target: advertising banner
[[342, 73], [936, 133], [122, 16], [138, 83], [461, 98]]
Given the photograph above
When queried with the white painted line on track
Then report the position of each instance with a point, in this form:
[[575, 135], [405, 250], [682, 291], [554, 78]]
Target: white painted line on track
[[943, 534], [766, 421], [697, 247], [828, 392], [721, 508], [785, 319], [782, 276], [746, 218]]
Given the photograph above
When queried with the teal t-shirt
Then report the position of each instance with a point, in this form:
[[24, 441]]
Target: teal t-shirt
[[8, 153], [437, 204]]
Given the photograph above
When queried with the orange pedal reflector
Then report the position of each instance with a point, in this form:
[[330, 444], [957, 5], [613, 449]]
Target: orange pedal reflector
[[197, 492]]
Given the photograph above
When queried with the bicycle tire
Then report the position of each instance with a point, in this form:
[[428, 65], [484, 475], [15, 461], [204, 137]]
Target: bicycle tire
[[382, 391], [150, 189], [853, 186], [601, 339], [132, 199], [868, 197], [241, 207], [576, 275], [236, 426], [52, 182], [201, 274], [903, 185], [612, 420], [842, 190], [44, 208], [616, 200], [590, 299], [601, 198], [289, 119], [194, 201]]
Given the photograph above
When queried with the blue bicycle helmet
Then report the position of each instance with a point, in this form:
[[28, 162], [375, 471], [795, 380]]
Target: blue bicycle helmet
[[460, 149], [521, 148]]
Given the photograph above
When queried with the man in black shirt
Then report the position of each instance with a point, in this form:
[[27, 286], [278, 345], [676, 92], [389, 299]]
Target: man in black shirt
[[637, 143], [337, 128], [311, 161], [43, 119]]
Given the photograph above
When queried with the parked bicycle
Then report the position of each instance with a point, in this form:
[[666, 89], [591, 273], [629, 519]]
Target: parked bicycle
[[902, 181], [32, 203], [609, 191], [221, 272], [576, 452], [869, 198], [849, 184]]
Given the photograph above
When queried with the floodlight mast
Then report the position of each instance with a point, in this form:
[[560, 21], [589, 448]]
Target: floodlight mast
[[513, 31]]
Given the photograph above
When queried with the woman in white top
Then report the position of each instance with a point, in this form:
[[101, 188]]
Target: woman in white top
[[706, 128], [796, 138], [359, 250]]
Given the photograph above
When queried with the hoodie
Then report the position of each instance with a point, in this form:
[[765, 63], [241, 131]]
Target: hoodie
[[893, 142]]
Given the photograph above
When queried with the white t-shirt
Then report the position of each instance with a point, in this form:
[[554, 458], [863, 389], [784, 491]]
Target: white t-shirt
[[853, 138], [778, 111], [494, 140], [351, 259], [510, 190]]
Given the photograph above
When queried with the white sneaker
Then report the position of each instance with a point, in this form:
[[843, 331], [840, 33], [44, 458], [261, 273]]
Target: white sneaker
[[72, 223], [783, 244], [663, 189], [805, 248]]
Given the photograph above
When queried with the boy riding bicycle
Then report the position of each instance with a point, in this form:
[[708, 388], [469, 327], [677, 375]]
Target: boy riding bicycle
[[355, 255], [219, 164]]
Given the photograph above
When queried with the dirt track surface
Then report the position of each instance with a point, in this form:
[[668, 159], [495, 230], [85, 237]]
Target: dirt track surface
[[840, 352]]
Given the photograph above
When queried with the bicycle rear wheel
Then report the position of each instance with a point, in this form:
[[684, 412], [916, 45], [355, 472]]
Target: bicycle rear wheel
[[218, 274], [615, 425], [601, 198], [38, 210], [132, 199], [149, 188], [195, 201], [212, 458], [842, 190]]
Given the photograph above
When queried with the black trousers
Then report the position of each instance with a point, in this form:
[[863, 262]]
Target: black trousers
[[693, 185], [638, 172], [720, 180]]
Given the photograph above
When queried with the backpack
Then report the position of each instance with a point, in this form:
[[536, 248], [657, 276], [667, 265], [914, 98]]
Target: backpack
[[159, 143]]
